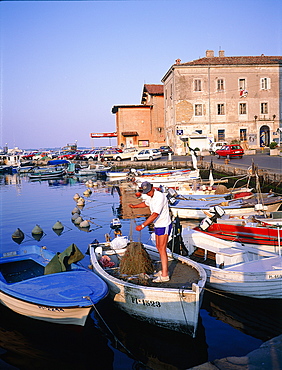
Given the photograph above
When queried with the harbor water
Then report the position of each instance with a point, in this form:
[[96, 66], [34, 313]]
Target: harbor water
[[110, 339]]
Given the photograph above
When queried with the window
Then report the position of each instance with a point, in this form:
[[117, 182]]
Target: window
[[243, 134], [220, 109], [221, 135], [199, 131], [265, 83], [220, 84], [197, 85], [198, 109], [264, 108], [242, 84], [242, 108]]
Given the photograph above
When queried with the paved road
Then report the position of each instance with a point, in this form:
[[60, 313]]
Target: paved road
[[263, 161]]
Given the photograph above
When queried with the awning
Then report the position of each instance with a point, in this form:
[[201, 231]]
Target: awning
[[130, 133]]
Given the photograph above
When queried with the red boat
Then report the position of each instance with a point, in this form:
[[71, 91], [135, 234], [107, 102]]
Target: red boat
[[262, 237]]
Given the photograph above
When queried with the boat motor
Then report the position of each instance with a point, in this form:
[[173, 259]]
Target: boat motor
[[217, 212], [116, 226], [205, 223], [171, 195]]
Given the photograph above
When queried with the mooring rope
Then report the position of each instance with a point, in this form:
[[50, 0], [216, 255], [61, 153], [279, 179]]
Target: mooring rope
[[115, 337]]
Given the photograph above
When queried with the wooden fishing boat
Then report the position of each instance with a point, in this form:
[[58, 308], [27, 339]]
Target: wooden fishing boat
[[59, 292], [189, 209], [173, 305], [235, 268]]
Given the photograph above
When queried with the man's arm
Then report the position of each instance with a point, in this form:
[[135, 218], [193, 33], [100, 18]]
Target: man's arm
[[139, 205]]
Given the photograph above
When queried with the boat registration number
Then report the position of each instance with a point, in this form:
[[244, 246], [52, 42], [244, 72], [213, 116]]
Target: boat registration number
[[274, 276], [53, 309], [145, 302]]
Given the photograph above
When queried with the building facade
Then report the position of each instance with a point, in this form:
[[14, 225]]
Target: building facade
[[224, 98], [142, 125]]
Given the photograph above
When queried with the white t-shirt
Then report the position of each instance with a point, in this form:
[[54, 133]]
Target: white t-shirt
[[158, 203]]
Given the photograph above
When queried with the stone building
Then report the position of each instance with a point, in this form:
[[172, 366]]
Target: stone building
[[224, 98], [142, 125]]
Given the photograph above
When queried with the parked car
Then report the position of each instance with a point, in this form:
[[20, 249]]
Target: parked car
[[148, 154], [165, 150], [216, 145], [92, 155], [128, 153], [108, 154], [230, 151]]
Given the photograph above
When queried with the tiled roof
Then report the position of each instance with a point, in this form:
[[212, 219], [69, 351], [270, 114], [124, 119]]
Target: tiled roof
[[245, 60], [154, 89]]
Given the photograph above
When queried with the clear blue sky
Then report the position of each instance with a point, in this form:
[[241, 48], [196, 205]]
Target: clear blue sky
[[65, 64]]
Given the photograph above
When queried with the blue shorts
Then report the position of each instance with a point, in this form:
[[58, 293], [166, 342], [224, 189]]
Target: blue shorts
[[163, 230]]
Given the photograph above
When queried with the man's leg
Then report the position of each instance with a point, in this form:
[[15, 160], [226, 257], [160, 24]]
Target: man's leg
[[161, 244]]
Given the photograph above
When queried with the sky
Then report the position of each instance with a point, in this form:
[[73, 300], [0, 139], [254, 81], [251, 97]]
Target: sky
[[65, 64]]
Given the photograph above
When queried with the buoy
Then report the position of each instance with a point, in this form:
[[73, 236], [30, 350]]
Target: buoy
[[58, 226], [78, 220], [80, 201], [87, 192], [76, 196], [37, 230], [84, 223], [75, 210], [75, 215], [18, 236]]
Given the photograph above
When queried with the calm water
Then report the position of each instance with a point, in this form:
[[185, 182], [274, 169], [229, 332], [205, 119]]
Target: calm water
[[228, 327]]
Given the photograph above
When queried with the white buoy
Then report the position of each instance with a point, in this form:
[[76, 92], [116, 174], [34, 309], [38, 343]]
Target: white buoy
[[84, 224], [75, 210], [74, 216], [76, 196], [80, 201], [78, 220]]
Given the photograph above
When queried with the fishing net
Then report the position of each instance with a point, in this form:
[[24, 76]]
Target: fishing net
[[221, 189], [136, 260]]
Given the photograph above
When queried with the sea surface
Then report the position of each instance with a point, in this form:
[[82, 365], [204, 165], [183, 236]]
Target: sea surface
[[110, 339]]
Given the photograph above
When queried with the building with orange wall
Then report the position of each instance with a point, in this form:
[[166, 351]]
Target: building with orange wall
[[142, 125]]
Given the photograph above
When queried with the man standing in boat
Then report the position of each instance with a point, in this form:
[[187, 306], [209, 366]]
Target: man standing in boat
[[158, 204]]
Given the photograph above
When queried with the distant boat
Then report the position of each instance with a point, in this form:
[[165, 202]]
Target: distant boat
[[173, 305], [93, 170], [59, 292], [46, 173]]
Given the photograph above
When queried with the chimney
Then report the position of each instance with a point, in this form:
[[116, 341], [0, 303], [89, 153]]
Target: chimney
[[221, 54], [209, 53]]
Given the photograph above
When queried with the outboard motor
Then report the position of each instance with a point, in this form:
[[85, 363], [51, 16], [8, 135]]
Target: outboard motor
[[171, 195], [217, 212]]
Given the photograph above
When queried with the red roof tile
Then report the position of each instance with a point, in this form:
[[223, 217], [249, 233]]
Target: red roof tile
[[244, 60], [154, 89]]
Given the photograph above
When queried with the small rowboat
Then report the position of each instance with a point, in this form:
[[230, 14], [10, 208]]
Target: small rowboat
[[31, 288]]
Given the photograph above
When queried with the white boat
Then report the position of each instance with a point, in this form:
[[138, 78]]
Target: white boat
[[196, 209], [170, 180], [234, 268], [173, 305], [93, 170], [116, 175]]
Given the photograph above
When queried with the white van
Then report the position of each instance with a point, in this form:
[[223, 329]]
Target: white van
[[216, 145]]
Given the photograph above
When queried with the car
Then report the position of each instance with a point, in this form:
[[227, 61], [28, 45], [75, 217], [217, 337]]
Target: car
[[92, 155], [128, 153], [216, 145], [230, 151], [165, 150], [108, 154], [148, 154]]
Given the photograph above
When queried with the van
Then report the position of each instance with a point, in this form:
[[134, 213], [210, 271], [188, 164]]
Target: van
[[216, 145]]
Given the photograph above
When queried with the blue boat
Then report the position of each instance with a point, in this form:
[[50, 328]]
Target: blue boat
[[48, 286]]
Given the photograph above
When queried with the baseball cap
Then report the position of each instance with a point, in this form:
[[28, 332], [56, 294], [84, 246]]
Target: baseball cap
[[146, 187]]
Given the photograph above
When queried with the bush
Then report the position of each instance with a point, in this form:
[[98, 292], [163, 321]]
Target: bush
[[273, 145]]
